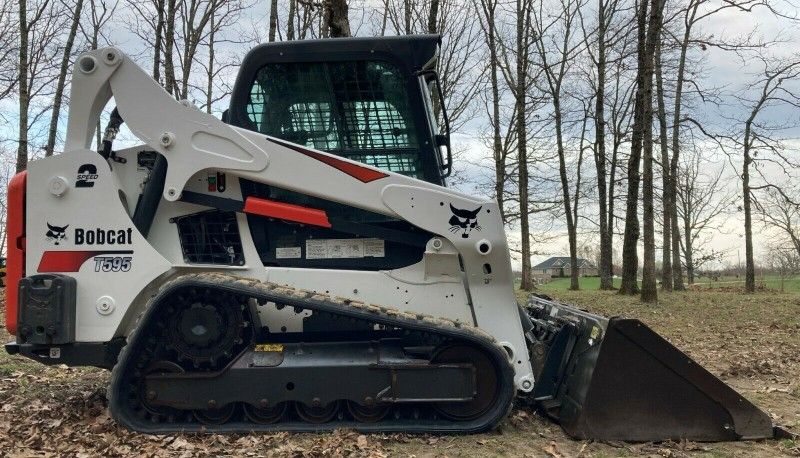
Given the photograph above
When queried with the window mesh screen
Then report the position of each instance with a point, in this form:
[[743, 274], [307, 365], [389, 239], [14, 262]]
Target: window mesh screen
[[211, 238], [358, 110]]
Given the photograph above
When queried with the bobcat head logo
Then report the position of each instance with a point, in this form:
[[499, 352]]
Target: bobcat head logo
[[56, 234], [464, 221]]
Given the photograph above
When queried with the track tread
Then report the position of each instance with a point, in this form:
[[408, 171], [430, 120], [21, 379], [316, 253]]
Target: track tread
[[315, 301]]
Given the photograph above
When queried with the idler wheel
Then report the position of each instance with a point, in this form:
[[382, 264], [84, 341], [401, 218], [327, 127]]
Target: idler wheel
[[485, 381], [215, 416], [266, 415], [367, 414], [317, 414]]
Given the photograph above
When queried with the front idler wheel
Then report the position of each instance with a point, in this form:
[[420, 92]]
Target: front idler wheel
[[146, 398], [485, 381]]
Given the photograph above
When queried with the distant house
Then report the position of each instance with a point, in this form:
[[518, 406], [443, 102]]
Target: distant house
[[559, 266]]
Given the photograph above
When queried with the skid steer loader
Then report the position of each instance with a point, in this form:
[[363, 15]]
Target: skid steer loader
[[300, 265]]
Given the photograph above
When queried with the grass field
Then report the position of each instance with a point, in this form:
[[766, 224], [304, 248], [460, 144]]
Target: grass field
[[791, 285], [750, 341]]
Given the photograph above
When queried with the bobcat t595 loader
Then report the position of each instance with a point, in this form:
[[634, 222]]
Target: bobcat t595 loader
[[300, 265]]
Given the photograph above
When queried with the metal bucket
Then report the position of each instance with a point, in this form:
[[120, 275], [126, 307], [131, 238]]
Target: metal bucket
[[617, 379]]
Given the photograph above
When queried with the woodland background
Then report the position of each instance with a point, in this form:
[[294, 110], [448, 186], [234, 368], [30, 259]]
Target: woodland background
[[656, 138]]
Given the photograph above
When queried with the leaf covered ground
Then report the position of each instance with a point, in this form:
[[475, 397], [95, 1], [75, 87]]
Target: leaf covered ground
[[751, 341]]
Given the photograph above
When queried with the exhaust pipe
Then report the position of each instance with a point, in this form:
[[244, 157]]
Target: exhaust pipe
[[616, 379]]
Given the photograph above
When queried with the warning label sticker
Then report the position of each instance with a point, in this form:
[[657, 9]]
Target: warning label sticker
[[344, 248], [291, 252]]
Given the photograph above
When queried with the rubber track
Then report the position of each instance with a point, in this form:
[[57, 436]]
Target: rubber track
[[323, 303]]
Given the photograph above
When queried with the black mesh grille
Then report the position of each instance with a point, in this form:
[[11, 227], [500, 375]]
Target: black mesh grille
[[211, 238]]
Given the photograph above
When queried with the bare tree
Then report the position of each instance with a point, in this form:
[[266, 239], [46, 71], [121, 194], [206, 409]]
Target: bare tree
[[702, 202], [99, 15], [40, 25], [336, 22], [273, 19], [649, 284], [781, 212], [9, 49], [692, 15], [557, 49], [169, 47], [488, 22], [66, 59], [519, 84], [758, 143], [666, 251], [630, 256], [783, 261], [606, 36]]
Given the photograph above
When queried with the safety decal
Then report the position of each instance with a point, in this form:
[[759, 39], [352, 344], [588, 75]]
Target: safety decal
[[344, 248]]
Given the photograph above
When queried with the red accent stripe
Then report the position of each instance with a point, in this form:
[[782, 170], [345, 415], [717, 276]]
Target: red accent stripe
[[359, 172], [65, 261], [287, 212], [15, 250]]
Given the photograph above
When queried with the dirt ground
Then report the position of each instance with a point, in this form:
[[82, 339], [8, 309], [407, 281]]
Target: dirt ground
[[751, 341]]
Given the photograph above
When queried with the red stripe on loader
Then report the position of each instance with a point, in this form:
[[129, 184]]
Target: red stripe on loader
[[287, 212], [361, 173]]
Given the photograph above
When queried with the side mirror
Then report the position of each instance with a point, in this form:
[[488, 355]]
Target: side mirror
[[226, 117]]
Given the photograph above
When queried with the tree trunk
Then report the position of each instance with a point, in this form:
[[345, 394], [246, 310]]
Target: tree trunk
[[688, 249], [666, 252], [606, 274], [522, 147], [750, 270], [407, 16], [158, 39], [606, 270], [290, 20], [649, 284], [62, 78], [677, 270], [497, 142], [210, 84], [433, 17], [338, 23], [612, 191], [273, 20], [562, 171], [24, 95], [169, 45], [630, 256]]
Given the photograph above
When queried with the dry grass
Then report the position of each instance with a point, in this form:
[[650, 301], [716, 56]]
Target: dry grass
[[751, 341]]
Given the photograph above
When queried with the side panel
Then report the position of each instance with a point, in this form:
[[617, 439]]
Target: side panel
[[79, 226]]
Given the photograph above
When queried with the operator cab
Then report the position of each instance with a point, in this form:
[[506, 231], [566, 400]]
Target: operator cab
[[366, 99], [371, 100]]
